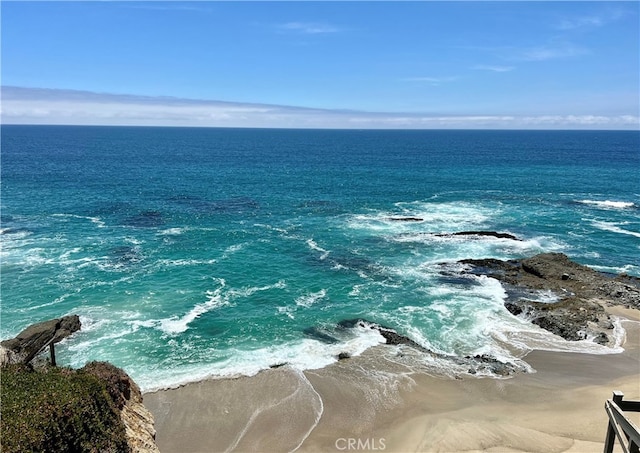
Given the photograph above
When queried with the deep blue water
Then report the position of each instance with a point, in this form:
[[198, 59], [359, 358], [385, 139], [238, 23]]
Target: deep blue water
[[192, 252]]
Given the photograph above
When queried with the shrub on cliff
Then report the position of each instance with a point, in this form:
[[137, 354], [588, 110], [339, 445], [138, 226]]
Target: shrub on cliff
[[58, 409]]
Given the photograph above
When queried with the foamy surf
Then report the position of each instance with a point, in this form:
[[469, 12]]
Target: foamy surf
[[614, 228], [608, 204], [176, 325]]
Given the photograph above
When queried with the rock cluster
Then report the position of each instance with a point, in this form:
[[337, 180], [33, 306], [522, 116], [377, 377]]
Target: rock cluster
[[581, 292], [480, 363]]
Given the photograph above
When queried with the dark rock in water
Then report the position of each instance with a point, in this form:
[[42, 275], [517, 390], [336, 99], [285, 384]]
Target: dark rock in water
[[390, 335], [405, 219], [317, 334], [484, 362], [571, 318], [344, 355], [579, 313], [494, 234], [32, 340], [493, 365], [278, 365], [146, 219]]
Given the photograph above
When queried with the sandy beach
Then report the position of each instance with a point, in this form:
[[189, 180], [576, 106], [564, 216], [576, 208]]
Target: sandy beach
[[368, 404]]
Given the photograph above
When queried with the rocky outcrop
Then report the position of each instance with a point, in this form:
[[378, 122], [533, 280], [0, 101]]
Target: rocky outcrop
[[32, 340], [390, 335], [123, 391], [494, 234], [580, 292], [484, 364], [126, 395], [405, 219]]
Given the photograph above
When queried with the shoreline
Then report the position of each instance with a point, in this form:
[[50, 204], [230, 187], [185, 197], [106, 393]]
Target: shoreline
[[367, 403]]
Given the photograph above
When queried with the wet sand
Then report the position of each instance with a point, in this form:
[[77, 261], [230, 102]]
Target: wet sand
[[369, 404]]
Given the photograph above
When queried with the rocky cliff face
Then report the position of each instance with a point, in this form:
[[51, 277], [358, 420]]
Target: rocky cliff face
[[123, 391], [126, 395]]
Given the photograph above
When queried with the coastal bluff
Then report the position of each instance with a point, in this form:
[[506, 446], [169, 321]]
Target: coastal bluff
[[46, 408]]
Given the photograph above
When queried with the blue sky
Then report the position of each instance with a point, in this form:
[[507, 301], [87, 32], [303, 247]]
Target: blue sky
[[323, 64]]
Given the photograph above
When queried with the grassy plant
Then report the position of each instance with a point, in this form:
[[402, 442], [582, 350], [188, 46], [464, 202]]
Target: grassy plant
[[56, 410]]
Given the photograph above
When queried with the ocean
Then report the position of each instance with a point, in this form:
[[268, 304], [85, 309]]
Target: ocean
[[191, 253]]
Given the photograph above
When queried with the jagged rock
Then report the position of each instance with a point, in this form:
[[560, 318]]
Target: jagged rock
[[390, 335], [494, 234], [578, 314], [405, 219], [344, 355], [478, 362], [32, 340], [494, 365], [278, 365], [126, 395]]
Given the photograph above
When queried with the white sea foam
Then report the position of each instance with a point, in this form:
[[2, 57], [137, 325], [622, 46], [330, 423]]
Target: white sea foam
[[172, 232], [287, 311], [248, 291], [608, 204], [305, 354], [614, 228], [631, 269], [176, 325], [95, 220], [233, 249], [434, 217], [314, 246], [185, 262], [309, 299], [10, 235]]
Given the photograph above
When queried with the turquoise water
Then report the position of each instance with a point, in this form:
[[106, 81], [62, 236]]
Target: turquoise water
[[216, 252]]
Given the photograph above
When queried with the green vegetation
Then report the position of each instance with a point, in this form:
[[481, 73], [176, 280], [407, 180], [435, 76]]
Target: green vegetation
[[58, 409]]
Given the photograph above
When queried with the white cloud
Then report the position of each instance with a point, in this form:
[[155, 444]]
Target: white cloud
[[435, 81], [49, 106], [308, 28], [551, 52], [580, 22], [494, 68], [591, 21]]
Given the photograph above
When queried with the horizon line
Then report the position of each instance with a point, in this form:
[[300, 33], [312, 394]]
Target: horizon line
[[57, 106]]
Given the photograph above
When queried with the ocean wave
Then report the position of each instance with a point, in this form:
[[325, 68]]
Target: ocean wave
[[614, 227], [426, 216], [233, 249], [314, 246], [185, 262], [172, 232], [176, 325], [95, 220], [608, 204], [304, 354], [249, 291], [307, 300]]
